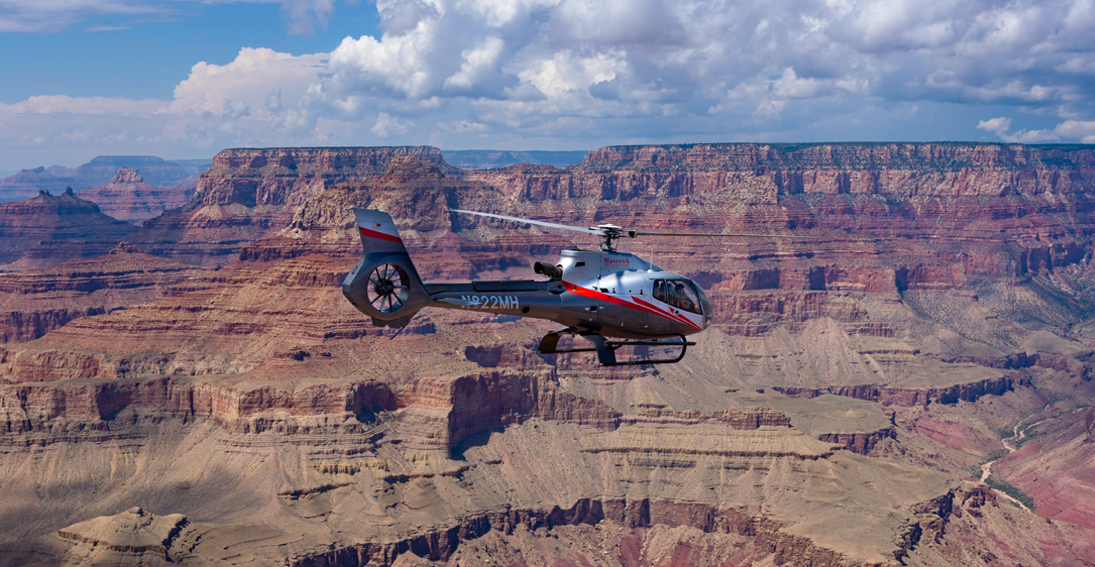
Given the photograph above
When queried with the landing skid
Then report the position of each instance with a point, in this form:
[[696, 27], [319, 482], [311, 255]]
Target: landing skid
[[606, 349]]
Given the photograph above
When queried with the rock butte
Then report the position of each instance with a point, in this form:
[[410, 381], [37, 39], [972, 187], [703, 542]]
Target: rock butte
[[127, 197], [834, 415]]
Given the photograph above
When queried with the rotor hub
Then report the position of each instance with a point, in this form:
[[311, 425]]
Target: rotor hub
[[610, 232]]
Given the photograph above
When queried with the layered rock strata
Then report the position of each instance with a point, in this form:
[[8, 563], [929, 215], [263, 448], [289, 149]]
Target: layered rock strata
[[403, 424], [34, 302], [49, 229], [250, 193], [423, 503]]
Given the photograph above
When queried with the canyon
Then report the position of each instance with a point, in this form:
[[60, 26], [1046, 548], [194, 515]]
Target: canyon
[[196, 390]]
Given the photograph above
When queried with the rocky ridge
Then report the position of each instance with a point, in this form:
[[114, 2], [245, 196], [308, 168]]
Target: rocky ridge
[[49, 229], [248, 194], [29, 182]]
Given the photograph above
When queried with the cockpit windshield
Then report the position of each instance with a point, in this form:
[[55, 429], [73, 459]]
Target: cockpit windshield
[[677, 293]]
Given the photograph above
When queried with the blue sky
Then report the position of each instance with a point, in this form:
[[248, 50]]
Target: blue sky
[[183, 79], [147, 57]]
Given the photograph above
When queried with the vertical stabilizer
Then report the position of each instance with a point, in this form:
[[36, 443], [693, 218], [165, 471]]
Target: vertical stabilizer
[[384, 284]]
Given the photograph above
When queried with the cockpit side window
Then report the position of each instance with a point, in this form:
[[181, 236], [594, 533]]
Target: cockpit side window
[[677, 293], [660, 292]]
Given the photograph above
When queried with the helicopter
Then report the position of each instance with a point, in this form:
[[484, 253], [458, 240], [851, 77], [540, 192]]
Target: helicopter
[[611, 299]]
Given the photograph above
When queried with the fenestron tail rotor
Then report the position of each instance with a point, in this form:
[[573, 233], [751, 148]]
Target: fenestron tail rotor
[[610, 232], [387, 289]]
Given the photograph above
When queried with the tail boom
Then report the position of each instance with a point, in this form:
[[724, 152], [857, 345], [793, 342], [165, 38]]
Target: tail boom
[[517, 298]]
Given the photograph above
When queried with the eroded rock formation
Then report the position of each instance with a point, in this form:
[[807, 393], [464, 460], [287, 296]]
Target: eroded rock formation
[[250, 194], [127, 197], [34, 302]]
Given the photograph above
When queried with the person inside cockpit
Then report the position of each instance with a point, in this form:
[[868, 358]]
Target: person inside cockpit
[[678, 294], [681, 294]]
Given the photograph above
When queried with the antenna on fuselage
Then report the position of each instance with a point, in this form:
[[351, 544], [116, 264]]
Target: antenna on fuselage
[[652, 264]]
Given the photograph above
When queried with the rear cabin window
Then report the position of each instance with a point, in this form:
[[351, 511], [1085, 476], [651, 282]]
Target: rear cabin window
[[677, 293]]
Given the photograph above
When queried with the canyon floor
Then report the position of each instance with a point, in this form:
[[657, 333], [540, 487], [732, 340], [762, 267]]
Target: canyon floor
[[197, 391]]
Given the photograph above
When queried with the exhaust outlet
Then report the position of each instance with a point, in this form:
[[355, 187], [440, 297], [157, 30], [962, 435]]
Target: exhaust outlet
[[550, 270]]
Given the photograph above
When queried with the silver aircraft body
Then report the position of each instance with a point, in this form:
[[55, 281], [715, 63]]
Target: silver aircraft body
[[612, 299]]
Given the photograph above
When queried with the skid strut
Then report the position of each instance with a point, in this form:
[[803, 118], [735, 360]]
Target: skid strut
[[606, 349]]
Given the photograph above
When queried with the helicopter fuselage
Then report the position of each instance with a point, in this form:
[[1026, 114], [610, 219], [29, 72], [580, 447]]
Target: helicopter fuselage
[[613, 294]]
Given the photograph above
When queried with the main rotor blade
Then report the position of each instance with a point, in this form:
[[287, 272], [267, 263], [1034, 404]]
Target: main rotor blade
[[596, 231], [624, 232], [637, 233]]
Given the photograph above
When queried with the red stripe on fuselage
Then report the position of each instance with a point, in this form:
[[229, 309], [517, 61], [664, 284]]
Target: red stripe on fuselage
[[379, 235], [638, 304], [593, 294], [670, 315]]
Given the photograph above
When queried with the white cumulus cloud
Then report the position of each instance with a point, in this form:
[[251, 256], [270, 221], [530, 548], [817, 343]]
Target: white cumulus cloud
[[387, 125], [248, 81], [1001, 125], [998, 126], [1084, 130]]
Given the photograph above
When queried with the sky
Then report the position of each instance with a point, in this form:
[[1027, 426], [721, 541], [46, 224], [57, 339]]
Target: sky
[[185, 79]]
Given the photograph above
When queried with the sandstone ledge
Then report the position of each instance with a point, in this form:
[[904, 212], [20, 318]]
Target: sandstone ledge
[[969, 392], [707, 440]]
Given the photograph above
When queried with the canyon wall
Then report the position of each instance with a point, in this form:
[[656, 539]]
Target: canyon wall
[[251, 193]]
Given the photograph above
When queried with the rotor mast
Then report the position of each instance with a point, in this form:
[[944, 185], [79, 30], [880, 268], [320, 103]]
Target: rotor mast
[[610, 232]]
